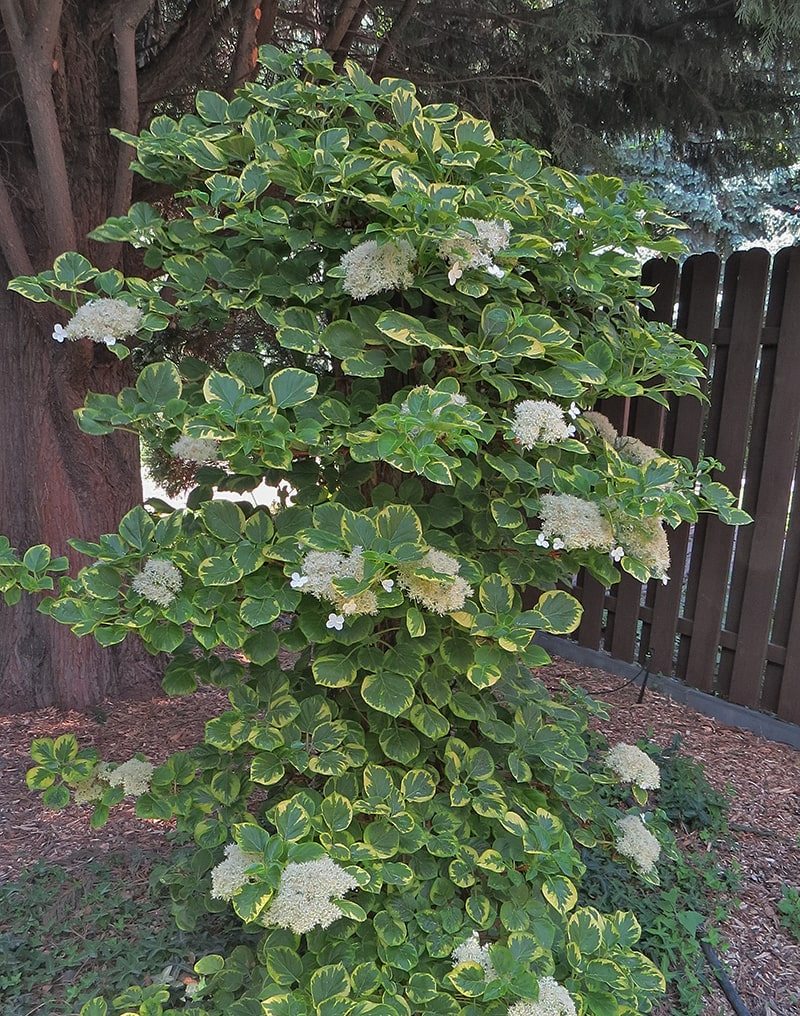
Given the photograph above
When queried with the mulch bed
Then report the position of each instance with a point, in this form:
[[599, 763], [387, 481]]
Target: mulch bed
[[763, 959]]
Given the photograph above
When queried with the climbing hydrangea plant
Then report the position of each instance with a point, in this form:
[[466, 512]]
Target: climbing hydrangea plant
[[392, 797]]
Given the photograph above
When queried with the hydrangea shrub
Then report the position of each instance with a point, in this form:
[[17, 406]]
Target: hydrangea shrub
[[392, 798]]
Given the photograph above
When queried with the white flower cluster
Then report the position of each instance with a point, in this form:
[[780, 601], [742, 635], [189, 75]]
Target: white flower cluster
[[579, 524], [133, 776], [103, 320], [635, 841], [321, 567], [553, 1000], [472, 951], [541, 422], [476, 251], [455, 398], [372, 268], [159, 581], [228, 877], [632, 765], [195, 449], [87, 791], [646, 540], [305, 892], [442, 596]]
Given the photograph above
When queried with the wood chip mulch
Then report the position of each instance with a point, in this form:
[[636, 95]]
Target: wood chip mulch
[[763, 960]]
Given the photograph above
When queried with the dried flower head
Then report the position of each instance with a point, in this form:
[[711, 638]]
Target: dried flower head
[[104, 320], [604, 427], [553, 1000], [539, 422], [372, 268], [646, 540], [580, 524], [635, 451], [635, 841], [443, 595], [632, 765], [305, 894], [159, 581]]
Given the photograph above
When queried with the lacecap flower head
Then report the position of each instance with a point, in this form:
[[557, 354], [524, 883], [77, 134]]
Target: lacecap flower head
[[538, 421], [195, 449], [228, 877], [159, 581], [632, 765], [372, 267], [553, 1000], [133, 776], [636, 842], [443, 595], [471, 951], [305, 895], [104, 320], [580, 524]]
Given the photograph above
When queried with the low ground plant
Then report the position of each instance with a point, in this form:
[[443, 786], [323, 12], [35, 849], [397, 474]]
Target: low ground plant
[[696, 890]]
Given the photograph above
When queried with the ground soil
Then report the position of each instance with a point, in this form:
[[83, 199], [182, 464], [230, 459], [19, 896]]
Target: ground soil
[[764, 961]]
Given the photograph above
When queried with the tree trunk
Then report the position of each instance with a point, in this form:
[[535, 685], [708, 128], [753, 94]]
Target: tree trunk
[[56, 483]]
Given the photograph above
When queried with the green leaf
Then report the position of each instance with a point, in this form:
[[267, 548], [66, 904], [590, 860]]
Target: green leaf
[[329, 982], [337, 812], [96, 1007], [223, 519], [292, 387], [211, 106], [388, 693], [560, 613], [334, 671], [560, 893], [158, 383], [283, 965], [71, 269], [418, 785], [56, 797], [137, 529], [266, 769], [291, 820], [208, 965], [219, 571], [496, 594]]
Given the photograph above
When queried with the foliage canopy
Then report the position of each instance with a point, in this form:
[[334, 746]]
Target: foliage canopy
[[442, 305]]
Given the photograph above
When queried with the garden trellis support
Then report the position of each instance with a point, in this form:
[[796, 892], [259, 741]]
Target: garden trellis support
[[728, 622]]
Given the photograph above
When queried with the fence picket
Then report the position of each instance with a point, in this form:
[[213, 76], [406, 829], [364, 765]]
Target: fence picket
[[744, 289]]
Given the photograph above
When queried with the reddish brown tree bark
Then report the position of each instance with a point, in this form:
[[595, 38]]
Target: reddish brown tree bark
[[58, 483]]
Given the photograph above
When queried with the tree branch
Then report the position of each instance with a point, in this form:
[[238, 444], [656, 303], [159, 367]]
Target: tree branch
[[189, 44], [33, 55], [341, 24], [11, 242], [389, 45], [14, 24], [125, 25], [244, 56], [44, 34]]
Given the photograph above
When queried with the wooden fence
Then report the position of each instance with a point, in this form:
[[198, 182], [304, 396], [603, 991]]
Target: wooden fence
[[729, 620]]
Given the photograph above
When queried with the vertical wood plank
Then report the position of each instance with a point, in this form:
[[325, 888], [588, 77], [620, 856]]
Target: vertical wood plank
[[697, 310], [783, 431], [744, 290]]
